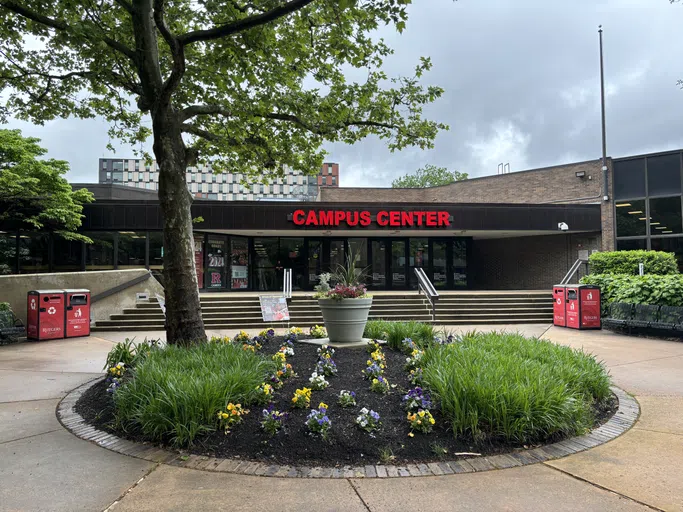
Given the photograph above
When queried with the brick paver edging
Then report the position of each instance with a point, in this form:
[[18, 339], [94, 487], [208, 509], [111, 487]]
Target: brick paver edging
[[626, 415]]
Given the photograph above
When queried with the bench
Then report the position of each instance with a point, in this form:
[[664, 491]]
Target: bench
[[667, 320], [11, 328]]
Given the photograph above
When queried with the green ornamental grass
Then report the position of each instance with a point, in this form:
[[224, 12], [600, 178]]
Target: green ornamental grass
[[509, 387], [175, 393], [395, 332]]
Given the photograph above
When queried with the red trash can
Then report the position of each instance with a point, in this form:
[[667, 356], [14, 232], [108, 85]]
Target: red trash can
[[77, 313], [45, 315], [560, 305], [583, 307]]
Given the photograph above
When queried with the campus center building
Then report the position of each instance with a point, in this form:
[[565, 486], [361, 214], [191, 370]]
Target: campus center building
[[515, 231]]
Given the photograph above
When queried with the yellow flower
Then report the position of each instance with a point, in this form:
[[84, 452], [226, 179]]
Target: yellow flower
[[231, 406], [224, 415], [410, 434], [421, 414], [419, 422], [322, 405], [431, 420]]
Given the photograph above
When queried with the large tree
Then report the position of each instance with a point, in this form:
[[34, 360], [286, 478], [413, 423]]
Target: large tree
[[429, 176], [34, 195], [249, 85]]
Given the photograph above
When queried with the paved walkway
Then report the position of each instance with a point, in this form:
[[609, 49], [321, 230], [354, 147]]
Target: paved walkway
[[44, 467]]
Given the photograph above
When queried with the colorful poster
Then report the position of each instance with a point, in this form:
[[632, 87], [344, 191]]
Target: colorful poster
[[274, 309]]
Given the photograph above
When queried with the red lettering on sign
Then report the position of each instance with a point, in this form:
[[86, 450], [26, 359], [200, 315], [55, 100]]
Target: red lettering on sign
[[406, 218], [365, 219], [431, 219], [383, 218], [299, 217], [326, 218], [339, 216], [311, 219], [395, 218], [444, 219], [420, 218], [352, 218]]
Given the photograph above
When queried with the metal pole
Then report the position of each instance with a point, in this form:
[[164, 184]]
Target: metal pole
[[605, 189]]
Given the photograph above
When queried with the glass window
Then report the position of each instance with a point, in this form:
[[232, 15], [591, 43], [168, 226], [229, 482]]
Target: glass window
[[33, 253], [315, 262], [630, 218], [137, 165], [213, 178], [8, 253], [216, 262], [358, 247], [629, 178], [460, 263], [118, 176], [664, 175], [670, 244], [156, 250], [199, 259], [439, 259], [108, 176], [131, 253], [268, 266], [379, 264], [67, 254], [203, 178], [334, 180], [398, 263], [100, 254], [632, 245], [419, 257], [239, 263], [665, 216]]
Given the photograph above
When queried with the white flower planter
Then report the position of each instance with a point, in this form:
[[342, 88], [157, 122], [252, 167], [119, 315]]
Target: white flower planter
[[345, 319]]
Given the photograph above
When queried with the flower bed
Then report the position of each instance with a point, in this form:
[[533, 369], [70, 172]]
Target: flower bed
[[402, 425]]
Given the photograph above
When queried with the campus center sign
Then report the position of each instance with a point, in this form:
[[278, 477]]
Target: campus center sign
[[364, 218]]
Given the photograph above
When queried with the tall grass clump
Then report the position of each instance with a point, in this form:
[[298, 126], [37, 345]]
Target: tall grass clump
[[506, 386], [395, 332], [175, 394]]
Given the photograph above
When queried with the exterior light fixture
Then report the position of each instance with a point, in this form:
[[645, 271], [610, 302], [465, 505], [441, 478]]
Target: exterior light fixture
[[580, 174]]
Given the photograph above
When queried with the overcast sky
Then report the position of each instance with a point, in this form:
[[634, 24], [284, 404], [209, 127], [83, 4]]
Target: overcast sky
[[521, 82]]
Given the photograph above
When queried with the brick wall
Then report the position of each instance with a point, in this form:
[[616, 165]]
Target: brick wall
[[557, 184], [527, 263]]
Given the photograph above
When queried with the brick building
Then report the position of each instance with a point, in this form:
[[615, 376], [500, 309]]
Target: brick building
[[520, 230]]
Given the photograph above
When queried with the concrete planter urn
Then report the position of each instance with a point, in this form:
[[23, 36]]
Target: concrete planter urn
[[345, 319]]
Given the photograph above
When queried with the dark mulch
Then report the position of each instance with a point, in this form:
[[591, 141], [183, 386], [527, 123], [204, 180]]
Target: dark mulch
[[347, 443]]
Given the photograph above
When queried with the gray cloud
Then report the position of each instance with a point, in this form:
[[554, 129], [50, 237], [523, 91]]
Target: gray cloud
[[522, 86]]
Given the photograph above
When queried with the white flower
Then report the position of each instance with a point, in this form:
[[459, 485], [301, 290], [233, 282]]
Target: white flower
[[363, 411]]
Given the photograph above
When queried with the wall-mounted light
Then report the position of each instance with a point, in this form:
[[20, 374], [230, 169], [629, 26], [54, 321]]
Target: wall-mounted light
[[580, 174]]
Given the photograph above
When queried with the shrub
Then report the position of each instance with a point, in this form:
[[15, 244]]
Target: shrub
[[130, 353], [175, 395], [5, 306], [626, 262], [395, 332], [519, 389], [649, 289]]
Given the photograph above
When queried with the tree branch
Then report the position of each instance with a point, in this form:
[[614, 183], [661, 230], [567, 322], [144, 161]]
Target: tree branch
[[243, 24], [199, 132], [61, 25], [321, 130], [126, 5], [198, 110], [177, 51]]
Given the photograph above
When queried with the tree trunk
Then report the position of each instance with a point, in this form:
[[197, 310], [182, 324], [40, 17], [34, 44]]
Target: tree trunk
[[184, 324]]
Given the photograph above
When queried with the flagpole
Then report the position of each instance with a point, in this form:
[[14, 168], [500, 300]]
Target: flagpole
[[605, 189]]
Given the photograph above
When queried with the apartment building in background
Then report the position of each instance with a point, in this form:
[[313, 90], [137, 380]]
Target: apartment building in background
[[204, 184]]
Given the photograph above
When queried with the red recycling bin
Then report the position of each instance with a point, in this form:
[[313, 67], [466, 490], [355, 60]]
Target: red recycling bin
[[77, 313], [559, 305], [583, 307], [45, 315]]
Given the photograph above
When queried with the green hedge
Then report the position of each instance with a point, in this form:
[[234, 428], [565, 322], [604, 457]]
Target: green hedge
[[649, 289], [626, 262]]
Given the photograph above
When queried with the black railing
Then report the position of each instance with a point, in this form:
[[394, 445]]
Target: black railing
[[120, 287], [424, 285]]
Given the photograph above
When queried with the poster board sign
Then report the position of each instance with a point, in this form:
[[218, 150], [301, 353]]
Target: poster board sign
[[274, 309], [162, 303]]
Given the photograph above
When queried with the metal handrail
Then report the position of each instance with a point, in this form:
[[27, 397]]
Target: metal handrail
[[287, 284], [120, 287], [573, 270], [425, 286]]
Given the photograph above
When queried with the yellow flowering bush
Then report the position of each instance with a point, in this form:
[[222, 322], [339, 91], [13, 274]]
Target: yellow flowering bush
[[220, 339], [372, 346], [422, 421], [378, 356], [301, 398], [249, 347], [241, 337], [117, 371], [263, 394], [279, 357], [232, 416], [286, 372], [318, 331], [296, 331]]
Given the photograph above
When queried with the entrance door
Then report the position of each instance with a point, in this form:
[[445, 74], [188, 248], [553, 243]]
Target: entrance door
[[378, 264], [439, 264], [398, 264], [418, 258]]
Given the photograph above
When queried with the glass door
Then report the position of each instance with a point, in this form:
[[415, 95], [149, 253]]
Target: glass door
[[378, 264], [418, 258], [314, 263], [439, 264], [215, 262], [398, 264]]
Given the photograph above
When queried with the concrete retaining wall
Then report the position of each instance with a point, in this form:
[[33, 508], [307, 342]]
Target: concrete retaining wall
[[13, 289]]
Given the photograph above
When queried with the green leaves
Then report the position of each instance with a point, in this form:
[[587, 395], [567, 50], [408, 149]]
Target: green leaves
[[656, 290], [429, 176], [33, 192], [627, 262]]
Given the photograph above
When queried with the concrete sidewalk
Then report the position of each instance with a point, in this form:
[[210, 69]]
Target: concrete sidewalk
[[44, 467]]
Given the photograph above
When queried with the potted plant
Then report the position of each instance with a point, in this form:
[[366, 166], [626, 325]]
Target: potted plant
[[345, 307]]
